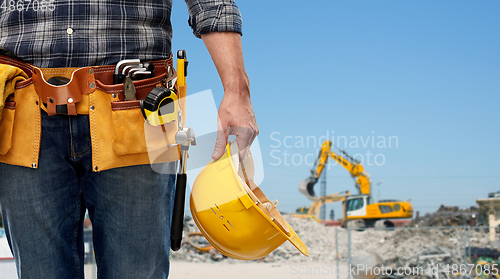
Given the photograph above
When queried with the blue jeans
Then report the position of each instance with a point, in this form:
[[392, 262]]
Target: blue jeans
[[43, 210]]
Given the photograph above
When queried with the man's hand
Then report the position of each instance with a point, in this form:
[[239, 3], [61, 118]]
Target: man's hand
[[236, 116]]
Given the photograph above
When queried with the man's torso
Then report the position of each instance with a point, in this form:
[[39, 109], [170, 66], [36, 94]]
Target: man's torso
[[77, 33]]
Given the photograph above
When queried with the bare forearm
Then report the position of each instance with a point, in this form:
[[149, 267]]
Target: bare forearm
[[236, 116], [226, 52]]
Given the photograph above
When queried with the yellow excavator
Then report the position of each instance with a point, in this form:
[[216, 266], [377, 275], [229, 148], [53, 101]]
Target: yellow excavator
[[359, 210]]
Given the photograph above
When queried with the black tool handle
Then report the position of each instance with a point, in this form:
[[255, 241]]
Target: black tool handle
[[178, 214], [118, 78], [149, 67]]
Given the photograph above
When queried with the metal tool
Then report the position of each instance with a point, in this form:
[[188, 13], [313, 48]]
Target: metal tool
[[124, 68], [135, 69], [135, 74], [128, 67], [118, 77], [129, 89], [123, 63], [128, 85], [184, 137]]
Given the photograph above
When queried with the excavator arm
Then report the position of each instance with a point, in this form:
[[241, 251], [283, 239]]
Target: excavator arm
[[306, 186], [314, 210], [353, 166], [355, 169], [315, 207]]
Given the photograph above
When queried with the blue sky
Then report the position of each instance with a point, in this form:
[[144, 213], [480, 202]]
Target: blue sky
[[425, 73]]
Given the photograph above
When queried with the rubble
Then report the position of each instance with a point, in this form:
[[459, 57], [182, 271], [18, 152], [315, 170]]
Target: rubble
[[448, 216], [393, 246]]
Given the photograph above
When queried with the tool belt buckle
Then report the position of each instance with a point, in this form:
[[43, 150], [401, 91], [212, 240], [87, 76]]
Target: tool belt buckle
[[62, 99]]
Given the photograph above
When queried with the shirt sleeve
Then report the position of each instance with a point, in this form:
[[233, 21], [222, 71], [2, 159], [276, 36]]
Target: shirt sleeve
[[207, 16]]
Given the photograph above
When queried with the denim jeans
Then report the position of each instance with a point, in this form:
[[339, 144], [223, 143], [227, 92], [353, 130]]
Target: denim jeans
[[43, 210]]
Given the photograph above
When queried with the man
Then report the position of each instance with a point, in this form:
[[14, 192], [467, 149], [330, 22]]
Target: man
[[130, 207]]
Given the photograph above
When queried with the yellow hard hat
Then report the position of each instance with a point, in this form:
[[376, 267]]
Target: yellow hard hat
[[233, 213]]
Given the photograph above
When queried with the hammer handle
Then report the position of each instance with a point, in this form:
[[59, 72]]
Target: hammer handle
[[178, 213]]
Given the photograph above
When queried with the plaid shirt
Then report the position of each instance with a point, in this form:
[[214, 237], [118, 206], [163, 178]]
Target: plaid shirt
[[77, 33]]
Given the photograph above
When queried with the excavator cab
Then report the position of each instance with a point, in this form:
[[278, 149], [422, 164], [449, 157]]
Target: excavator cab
[[302, 210], [356, 205]]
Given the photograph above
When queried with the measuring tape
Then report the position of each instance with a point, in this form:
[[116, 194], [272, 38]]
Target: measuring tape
[[160, 106]]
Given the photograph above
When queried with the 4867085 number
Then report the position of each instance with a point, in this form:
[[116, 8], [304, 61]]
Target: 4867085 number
[[25, 5]]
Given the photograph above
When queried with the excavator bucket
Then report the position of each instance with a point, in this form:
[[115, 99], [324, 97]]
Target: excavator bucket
[[306, 187]]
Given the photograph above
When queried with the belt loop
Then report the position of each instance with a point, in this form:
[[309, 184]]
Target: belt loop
[[51, 106], [71, 109]]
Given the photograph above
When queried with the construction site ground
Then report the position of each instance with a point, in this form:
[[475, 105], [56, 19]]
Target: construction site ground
[[250, 270], [439, 240], [442, 245]]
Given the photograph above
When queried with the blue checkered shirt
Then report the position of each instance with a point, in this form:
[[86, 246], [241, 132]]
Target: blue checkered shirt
[[77, 33]]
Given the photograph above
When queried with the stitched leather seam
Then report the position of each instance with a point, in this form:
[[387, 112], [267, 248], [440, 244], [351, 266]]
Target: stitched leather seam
[[104, 69], [109, 91], [121, 90], [25, 85], [56, 71], [19, 65], [37, 141], [124, 108], [94, 138]]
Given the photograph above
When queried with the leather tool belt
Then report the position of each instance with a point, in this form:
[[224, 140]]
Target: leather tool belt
[[118, 131]]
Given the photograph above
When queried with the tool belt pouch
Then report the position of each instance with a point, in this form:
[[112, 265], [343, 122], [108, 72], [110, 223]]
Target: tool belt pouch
[[6, 126], [120, 135], [20, 127]]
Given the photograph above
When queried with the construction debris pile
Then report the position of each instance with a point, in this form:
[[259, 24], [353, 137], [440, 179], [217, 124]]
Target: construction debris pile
[[448, 216], [394, 246], [439, 262]]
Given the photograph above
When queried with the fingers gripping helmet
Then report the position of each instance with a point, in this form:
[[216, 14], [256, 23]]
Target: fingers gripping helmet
[[233, 213]]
